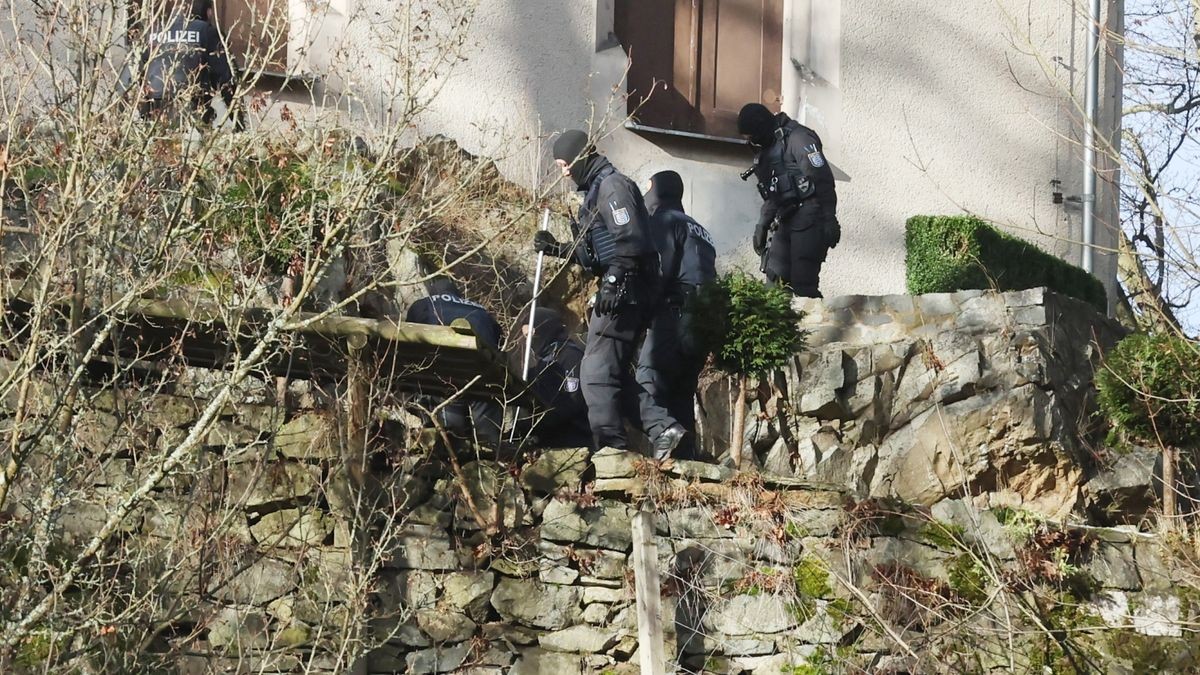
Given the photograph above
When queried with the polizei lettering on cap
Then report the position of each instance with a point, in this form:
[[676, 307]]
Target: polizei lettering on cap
[[176, 36]]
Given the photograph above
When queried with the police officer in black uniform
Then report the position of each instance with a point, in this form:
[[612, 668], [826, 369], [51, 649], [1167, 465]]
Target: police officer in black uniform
[[616, 246], [554, 365], [186, 58], [480, 419], [799, 212], [670, 362]]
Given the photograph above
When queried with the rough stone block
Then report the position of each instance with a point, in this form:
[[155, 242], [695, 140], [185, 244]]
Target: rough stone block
[[535, 604], [438, 659], [606, 525], [613, 463], [423, 548], [1113, 565], [238, 627], [820, 384], [750, 615], [469, 592], [541, 662], [445, 626], [273, 482], [579, 639], [293, 528], [496, 494], [691, 523], [700, 471], [306, 436], [563, 576], [257, 584], [555, 470], [609, 596]]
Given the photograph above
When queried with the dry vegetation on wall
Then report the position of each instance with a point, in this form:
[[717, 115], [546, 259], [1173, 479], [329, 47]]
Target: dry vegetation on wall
[[137, 528]]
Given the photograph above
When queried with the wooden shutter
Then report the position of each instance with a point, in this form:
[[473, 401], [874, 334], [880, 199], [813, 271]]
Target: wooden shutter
[[708, 58], [256, 32]]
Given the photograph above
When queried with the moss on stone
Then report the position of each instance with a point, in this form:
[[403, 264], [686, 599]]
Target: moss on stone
[[967, 578], [293, 636], [947, 536], [812, 583], [811, 577], [34, 650]]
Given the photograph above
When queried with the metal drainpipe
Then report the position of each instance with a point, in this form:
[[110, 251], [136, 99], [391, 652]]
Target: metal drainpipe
[[1091, 105]]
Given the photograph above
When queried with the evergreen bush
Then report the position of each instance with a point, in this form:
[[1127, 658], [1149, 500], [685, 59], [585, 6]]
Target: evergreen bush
[[952, 253], [1150, 388], [750, 328]]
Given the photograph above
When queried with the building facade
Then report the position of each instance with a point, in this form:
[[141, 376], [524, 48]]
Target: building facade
[[925, 107]]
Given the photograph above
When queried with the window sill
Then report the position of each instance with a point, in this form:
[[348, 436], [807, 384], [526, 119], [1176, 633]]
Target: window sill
[[281, 79], [633, 126]]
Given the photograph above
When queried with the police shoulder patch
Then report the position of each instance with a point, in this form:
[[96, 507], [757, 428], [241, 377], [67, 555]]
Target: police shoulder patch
[[572, 384], [816, 158], [621, 215]]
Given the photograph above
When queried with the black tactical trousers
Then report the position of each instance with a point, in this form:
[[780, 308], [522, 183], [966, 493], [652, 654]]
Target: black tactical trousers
[[477, 421], [606, 373], [668, 371], [797, 251]]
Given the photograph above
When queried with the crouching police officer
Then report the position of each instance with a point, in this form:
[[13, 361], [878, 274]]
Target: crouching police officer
[[555, 358], [798, 223], [616, 246], [477, 419], [670, 361]]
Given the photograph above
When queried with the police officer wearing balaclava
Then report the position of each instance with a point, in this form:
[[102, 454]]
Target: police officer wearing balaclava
[[554, 363], [477, 419], [670, 361], [616, 246], [799, 211], [186, 58]]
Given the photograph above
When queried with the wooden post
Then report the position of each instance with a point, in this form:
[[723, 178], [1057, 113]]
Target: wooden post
[[1169, 482], [649, 601]]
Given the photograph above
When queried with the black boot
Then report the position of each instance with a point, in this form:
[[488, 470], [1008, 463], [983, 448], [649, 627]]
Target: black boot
[[667, 441]]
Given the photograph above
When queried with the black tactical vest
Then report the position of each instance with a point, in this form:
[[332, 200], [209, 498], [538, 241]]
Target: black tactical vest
[[781, 180]]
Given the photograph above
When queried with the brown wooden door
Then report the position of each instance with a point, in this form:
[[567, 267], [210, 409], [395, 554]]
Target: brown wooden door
[[256, 32], [695, 63], [741, 55]]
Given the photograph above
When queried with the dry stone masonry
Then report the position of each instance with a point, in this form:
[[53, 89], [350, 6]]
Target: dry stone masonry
[[919, 465]]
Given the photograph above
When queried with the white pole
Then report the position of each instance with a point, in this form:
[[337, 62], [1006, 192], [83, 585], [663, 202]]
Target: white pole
[[1091, 105], [537, 285]]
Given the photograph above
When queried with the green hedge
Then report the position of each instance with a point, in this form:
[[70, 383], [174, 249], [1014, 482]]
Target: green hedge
[[953, 253], [1150, 387]]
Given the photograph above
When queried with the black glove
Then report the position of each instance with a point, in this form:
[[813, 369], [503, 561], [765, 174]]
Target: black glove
[[760, 238], [612, 292], [832, 230], [545, 242]]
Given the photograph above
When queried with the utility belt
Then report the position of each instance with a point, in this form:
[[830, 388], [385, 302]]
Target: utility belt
[[677, 295], [788, 190]]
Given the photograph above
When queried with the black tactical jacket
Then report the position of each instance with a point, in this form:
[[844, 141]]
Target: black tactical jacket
[[187, 53], [797, 151], [614, 221], [686, 251], [442, 309]]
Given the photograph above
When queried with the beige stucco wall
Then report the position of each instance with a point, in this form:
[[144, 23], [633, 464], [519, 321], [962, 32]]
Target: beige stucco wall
[[925, 107]]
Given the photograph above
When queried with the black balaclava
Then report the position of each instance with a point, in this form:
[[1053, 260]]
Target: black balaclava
[[573, 147], [199, 9], [757, 122], [666, 191], [442, 285], [548, 328]]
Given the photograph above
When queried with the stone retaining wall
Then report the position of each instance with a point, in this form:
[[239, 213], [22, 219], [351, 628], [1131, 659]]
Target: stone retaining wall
[[851, 550]]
